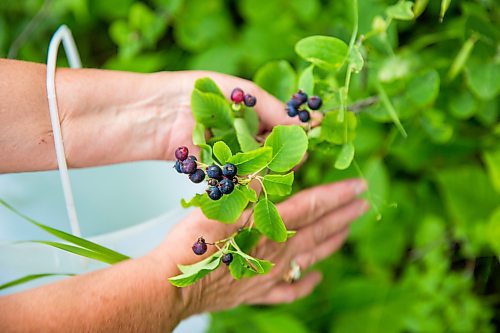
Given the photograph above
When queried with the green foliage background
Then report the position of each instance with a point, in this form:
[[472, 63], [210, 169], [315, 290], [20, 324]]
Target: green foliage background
[[426, 258]]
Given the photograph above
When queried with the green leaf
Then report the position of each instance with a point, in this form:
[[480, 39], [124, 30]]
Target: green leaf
[[222, 152], [249, 193], [196, 267], [109, 254], [247, 239], [345, 156], [419, 7], [435, 125], [268, 221], [211, 110], [289, 145], [306, 80], [278, 184], [445, 4], [242, 267], [483, 80], [356, 59], [401, 11], [252, 120], [245, 138], [492, 161], [199, 140], [194, 202], [29, 278], [424, 89], [227, 209], [323, 51], [194, 274], [463, 105], [278, 78], [338, 132], [252, 161], [81, 252], [390, 109], [207, 85]]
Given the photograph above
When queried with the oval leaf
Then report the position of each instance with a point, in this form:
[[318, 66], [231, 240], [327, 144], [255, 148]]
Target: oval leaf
[[278, 184], [211, 110], [245, 138], [252, 161], [227, 209], [289, 144], [345, 157], [268, 221], [323, 51], [222, 152]]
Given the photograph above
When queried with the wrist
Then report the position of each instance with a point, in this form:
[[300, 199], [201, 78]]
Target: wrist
[[111, 117]]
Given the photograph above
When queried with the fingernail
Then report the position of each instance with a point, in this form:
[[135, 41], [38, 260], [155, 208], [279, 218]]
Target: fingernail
[[360, 186]]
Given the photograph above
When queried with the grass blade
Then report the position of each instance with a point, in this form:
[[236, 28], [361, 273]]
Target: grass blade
[[29, 278], [98, 249], [80, 251], [390, 109]]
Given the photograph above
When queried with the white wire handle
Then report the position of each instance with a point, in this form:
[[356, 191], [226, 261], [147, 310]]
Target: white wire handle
[[64, 34]]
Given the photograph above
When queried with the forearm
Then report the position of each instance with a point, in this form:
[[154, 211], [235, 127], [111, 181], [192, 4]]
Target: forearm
[[106, 116], [133, 296]]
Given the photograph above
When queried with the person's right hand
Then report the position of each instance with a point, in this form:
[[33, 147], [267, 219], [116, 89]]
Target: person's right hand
[[321, 217]]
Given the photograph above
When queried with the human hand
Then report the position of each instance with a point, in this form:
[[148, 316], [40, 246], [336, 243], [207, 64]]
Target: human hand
[[321, 217]]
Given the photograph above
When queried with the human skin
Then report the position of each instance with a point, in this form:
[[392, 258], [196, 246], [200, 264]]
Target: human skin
[[111, 117]]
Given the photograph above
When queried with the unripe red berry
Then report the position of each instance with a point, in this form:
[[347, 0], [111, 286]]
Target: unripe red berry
[[181, 153], [237, 95]]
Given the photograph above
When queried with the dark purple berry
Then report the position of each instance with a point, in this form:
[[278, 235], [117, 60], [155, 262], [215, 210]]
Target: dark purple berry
[[227, 258], [300, 96], [193, 158], [197, 177], [304, 116], [188, 166], [295, 102], [314, 102], [199, 247], [226, 186], [250, 100], [229, 170], [214, 171], [181, 153], [235, 180], [178, 166], [291, 109], [237, 95], [214, 193], [213, 182]]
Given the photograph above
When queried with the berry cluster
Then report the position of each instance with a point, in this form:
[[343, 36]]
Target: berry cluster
[[296, 105], [222, 181], [238, 96], [188, 165], [200, 247]]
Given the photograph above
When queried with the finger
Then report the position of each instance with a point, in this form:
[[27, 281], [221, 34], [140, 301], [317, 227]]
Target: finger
[[309, 205], [316, 233], [286, 293], [330, 245]]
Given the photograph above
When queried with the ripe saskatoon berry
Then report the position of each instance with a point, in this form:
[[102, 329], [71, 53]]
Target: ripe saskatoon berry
[[199, 247], [295, 102], [214, 193], [226, 186], [300, 96], [178, 166], [197, 176], [229, 170], [291, 110], [314, 102], [237, 95], [193, 158], [181, 153], [227, 258], [250, 100], [214, 171], [188, 166], [213, 182], [304, 116]]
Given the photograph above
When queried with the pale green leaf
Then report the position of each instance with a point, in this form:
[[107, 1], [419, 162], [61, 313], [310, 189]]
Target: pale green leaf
[[306, 80], [268, 221], [227, 209], [323, 51], [345, 156], [245, 138], [401, 10], [289, 145], [207, 85], [211, 110], [278, 184], [252, 161], [356, 59], [222, 152]]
